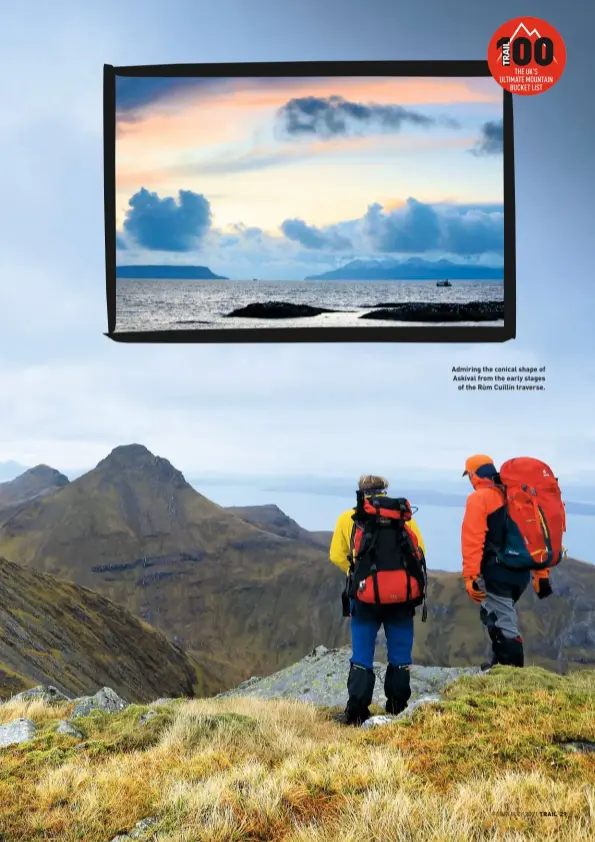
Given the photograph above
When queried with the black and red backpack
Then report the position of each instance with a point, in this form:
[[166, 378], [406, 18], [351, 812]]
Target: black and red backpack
[[387, 564]]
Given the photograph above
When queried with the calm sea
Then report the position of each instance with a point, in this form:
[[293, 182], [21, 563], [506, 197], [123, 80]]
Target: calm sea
[[185, 305]]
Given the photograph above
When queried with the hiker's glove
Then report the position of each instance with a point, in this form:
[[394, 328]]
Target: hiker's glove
[[474, 591], [543, 588]]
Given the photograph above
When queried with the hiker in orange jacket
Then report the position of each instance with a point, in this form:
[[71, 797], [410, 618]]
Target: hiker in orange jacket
[[493, 586]]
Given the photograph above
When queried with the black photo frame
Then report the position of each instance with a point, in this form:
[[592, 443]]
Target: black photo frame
[[448, 334]]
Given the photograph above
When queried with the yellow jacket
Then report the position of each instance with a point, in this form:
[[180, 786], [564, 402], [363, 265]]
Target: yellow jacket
[[341, 542]]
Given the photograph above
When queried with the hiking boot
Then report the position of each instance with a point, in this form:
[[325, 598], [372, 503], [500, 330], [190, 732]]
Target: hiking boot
[[351, 717], [360, 689], [397, 688], [506, 651], [395, 706], [509, 651]]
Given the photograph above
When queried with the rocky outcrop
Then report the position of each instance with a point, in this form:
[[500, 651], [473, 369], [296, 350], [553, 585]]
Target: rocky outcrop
[[105, 700], [321, 677], [473, 311], [277, 310], [16, 732], [581, 746], [41, 693], [387, 719], [68, 729]]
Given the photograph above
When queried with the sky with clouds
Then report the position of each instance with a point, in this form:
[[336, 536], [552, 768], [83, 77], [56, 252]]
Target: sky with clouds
[[69, 394], [282, 177]]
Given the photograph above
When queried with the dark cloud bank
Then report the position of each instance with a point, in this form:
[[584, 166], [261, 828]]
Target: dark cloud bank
[[491, 142], [165, 224], [334, 116]]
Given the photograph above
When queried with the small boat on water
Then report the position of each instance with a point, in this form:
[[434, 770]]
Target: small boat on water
[[446, 283]]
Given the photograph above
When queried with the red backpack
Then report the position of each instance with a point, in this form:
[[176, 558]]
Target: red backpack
[[387, 563], [536, 517]]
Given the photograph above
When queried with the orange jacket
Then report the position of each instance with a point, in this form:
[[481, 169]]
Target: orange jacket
[[484, 500]]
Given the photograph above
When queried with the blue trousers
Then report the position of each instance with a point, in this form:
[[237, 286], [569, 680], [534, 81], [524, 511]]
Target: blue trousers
[[399, 639]]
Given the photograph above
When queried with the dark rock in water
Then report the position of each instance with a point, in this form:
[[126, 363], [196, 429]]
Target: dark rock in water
[[277, 310], [443, 311]]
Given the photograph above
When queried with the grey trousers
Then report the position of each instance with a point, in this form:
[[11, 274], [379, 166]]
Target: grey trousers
[[499, 612]]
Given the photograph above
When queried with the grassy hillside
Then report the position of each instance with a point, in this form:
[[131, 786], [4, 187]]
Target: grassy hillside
[[490, 762], [54, 632]]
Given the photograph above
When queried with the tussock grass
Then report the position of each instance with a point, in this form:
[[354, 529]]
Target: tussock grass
[[484, 764], [38, 711]]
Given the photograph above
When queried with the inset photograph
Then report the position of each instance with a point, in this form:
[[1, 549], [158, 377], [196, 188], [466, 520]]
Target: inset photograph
[[318, 202]]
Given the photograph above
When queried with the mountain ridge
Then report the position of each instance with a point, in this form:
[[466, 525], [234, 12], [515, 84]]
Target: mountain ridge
[[271, 518], [135, 531], [35, 482], [251, 595]]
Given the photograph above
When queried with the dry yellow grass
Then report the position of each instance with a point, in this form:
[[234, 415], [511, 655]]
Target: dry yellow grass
[[483, 765]]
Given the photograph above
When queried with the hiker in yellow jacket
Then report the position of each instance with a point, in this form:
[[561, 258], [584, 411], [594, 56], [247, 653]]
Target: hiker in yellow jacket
[[366, 620]]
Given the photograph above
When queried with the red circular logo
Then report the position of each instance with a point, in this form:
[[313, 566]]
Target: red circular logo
[[526, 56]]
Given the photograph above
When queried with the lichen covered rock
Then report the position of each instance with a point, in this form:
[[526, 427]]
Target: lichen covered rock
[[105, 699], [17, 731], [321, 678]]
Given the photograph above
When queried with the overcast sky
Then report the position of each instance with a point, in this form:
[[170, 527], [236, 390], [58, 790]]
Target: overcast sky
[[69, 394]]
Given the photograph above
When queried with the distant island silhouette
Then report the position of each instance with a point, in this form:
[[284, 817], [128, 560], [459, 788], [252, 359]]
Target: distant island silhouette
[[414, 269], [177, 273]]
